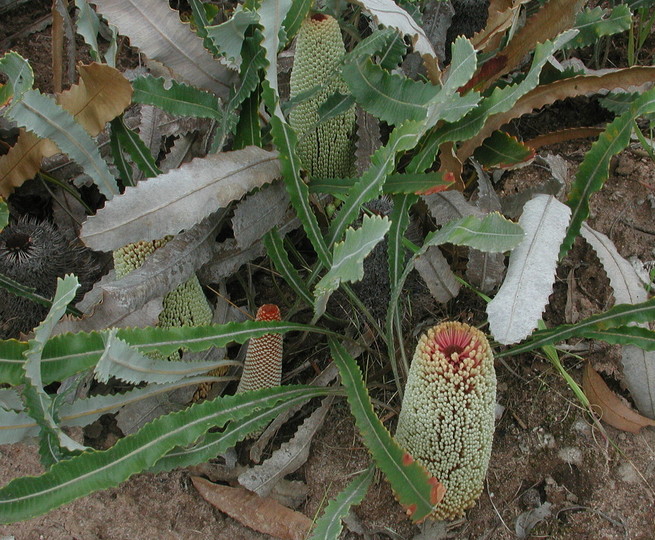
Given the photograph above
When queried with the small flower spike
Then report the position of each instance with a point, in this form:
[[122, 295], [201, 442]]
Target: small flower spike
[[446, 420], [263, 365]]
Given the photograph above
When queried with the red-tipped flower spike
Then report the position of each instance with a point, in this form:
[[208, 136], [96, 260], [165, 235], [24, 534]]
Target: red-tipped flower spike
[[446, 420], [263, 365]]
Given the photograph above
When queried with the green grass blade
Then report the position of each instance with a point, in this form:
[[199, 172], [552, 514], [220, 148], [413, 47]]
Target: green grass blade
[[329, 525], [91, 471], [412, 484]]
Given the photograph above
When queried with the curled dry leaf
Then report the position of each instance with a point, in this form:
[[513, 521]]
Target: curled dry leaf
[[612, 409], [259, 513], [102, 94]]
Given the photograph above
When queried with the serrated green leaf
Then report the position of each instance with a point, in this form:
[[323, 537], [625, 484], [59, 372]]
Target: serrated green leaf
[[492, 234], [396, 183], [20, 75], [329, 525], [228, 36], [67, 354], [123, 362], [502, 150], [131, 143], [412, 484], [369, 186], [120, 160], [500, 100], [37, 402], [594, 169], [399, 224], [286, 142], [252, 61], [87, 25], [40, 114], [626, 335], [294, 18], [213, 444], [335, 105], [201, 13], [248, 129], [30, 292], [349, 255], [618, 316], [95, 470], [18, 425], [272, 14], [175, 98], [392, 98], [595, 23], [280, 259]]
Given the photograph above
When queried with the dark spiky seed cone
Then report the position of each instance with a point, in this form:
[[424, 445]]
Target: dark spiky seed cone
[[35, 253]]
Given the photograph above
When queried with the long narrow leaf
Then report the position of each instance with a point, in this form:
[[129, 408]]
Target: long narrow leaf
[[41, 115], [68, 354], [328, 526], [594, 169], [413, 485], [618, 316], [278, 255], [94, 470], [38, 403], [176, 98]]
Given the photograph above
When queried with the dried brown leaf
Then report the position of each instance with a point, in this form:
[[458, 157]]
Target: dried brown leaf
[[553, 18], [259, 513], [501, 15], [102, 94], [549, 93], [613, 411]]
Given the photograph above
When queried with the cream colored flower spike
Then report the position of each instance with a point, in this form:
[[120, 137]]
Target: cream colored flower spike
[[263, 365], [447, 417]]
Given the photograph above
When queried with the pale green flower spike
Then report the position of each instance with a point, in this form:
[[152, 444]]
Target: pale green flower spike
[[447, 417], [326, 150], [186, 305]]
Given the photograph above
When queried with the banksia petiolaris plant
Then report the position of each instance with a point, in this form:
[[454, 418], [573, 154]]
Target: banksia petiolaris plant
[[446, 420], [327, 150], [262, 367]]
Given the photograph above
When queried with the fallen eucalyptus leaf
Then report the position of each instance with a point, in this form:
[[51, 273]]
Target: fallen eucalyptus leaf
[[259, 513], [612, 410]]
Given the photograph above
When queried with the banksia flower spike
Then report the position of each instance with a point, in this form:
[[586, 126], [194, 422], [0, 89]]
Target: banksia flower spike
[[327, 149], [263, 365], [186, 305], [446, 420]]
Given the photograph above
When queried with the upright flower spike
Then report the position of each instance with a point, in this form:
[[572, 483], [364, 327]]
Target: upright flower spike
[[263, 365], [186, 305], [446, 420], [327, 150]]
